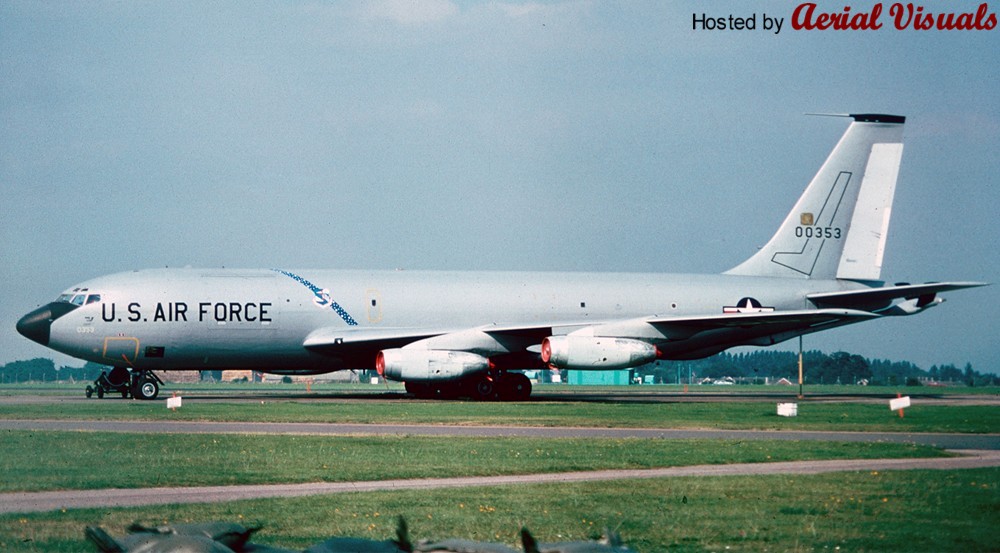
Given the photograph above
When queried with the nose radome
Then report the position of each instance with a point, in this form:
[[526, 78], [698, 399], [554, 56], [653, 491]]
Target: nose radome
[[36, 326]]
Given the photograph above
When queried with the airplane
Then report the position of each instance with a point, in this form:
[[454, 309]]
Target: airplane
[[447, 334]]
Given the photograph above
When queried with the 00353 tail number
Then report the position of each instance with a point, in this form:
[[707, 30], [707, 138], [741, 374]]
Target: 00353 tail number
[[818, 232]]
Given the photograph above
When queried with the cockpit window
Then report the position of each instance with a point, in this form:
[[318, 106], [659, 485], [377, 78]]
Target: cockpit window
[[79, 296]]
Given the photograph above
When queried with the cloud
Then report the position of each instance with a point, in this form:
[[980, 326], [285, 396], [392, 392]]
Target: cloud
[[410, 12], [520, 10]]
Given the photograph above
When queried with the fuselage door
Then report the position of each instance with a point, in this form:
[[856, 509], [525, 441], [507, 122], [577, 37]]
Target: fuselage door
[[121, 348]]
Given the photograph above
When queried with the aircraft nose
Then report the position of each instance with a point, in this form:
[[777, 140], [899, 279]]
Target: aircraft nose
[[36, 326]]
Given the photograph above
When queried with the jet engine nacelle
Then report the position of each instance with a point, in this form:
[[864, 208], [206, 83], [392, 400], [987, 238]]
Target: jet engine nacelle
[[422, 365], [593, 352]]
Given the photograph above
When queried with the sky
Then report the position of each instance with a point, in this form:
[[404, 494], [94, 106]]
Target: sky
[[563, 135]]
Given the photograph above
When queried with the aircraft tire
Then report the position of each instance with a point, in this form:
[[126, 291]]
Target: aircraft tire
[[119, 376], [515, 387], [146, 389], [485, 389], [100, 392], [89, 392]]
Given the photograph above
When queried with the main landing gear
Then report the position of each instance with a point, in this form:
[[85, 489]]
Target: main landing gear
[[137, 384], [506, 386]]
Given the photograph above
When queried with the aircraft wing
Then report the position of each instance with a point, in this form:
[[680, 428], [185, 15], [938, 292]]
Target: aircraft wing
[[805, 317], [681, 328], [338, 340], [347, 339], [513, 338], [694, 337]]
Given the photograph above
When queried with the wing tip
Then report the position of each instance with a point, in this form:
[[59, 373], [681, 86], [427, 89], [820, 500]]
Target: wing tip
[[867, 117]]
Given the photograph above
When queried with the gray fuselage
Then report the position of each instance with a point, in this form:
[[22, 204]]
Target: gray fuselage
[[166, 319]]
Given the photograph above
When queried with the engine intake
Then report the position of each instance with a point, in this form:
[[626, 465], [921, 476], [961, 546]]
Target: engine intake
[[417, 365], [596, 353]]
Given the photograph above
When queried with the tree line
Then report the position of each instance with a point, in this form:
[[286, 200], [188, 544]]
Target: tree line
[[747, 367], [41, 369], [817, 368]]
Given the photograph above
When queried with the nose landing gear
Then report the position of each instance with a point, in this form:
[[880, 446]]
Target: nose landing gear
[[139, 384]]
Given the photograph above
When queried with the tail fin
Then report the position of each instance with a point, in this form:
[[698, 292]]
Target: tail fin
[[839, 225]]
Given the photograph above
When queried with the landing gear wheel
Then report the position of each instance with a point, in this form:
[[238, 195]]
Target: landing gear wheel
[[147, 389], [100, 393], [515, 387], [90, 391], [119, 377], [486, 389]]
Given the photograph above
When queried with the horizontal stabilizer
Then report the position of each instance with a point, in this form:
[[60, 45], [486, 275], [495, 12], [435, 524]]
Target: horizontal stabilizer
[[876, 298]]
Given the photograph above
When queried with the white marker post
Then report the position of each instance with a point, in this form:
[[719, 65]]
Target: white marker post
[[173, 403], [788, 409], [899, 404]]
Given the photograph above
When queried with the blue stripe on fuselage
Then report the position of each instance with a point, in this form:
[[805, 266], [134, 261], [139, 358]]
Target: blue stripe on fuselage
[[323, 297]]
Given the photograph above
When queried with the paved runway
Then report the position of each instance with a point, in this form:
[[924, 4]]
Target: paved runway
[[28, 502], [947, 441]]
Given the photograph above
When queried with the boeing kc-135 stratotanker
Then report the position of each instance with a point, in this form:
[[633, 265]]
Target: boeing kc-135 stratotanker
[[467, 333]]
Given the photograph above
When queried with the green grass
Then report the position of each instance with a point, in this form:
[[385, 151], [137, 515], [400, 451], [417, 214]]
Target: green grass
[[887, 511], [862, 511], [724, 415], [35, 461]]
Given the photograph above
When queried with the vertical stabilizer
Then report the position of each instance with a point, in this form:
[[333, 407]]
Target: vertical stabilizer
[[838, 227]]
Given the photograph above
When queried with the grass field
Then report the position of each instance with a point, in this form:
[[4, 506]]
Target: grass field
[[859, 511], [35, 461], [930, 511], [728, 415]]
